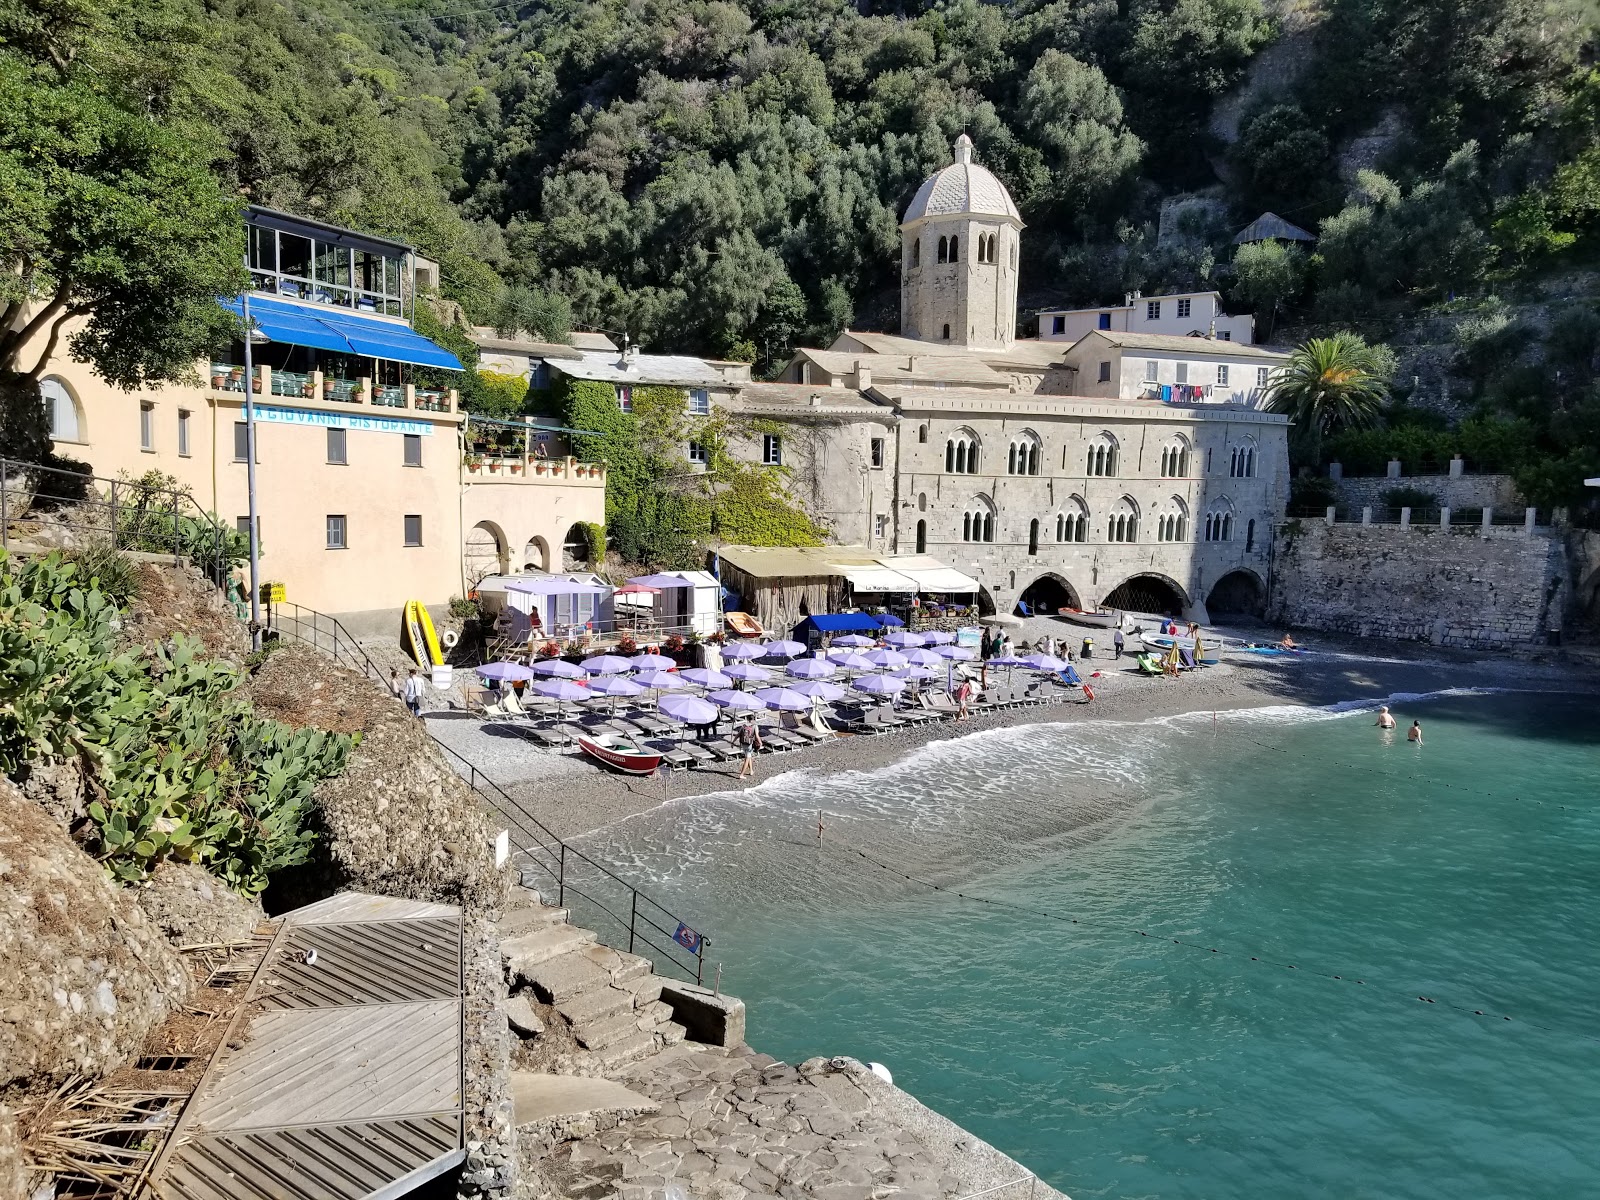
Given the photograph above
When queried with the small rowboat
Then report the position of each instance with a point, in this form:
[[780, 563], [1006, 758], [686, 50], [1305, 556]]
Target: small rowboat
[[620, 752], [1102, 619]]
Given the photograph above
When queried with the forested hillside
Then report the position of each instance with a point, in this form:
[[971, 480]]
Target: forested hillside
[[725, 177]]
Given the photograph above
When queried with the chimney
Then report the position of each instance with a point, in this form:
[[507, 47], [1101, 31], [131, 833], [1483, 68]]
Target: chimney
[[863, 376], [1211, 329], [816, 400]]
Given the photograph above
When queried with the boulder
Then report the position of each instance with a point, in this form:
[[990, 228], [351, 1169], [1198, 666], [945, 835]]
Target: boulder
[[193, 908], [84, 974]]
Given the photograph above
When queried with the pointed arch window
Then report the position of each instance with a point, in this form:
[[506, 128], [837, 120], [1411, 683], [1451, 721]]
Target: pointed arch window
[[916, 252], [961, 454], [1242, 460], [1173, 524], [1123, 523], [1219, 523], [1025, 454], [1072, 522], [922, 537], [977, 522], [1102, 456], [944, 249], [1175, 458], [955, 249]]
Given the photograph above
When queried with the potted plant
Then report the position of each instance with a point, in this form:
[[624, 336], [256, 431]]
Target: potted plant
[[627, 645], [515, 466], [494, 466], [308, 389], [550, 650], [327, 387], [218, 378], [673, 644], [718, 638], [236, 377]]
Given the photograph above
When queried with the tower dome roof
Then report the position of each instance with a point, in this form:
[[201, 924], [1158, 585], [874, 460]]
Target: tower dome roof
[[962, 187]]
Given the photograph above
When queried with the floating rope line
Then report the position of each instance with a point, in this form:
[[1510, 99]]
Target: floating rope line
[[1299, 968]]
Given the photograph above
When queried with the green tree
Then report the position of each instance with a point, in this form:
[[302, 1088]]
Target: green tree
[[544, 315], [1267, 274], [1282, 157], [1330, 385], [1075, 117], [110, 212]]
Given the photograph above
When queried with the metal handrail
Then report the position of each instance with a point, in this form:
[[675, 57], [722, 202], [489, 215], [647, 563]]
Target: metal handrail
[[129, 506], [1030, 1179], [549, 853]]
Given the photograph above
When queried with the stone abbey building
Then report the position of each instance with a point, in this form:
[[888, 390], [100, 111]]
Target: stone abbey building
[[1136, 470]]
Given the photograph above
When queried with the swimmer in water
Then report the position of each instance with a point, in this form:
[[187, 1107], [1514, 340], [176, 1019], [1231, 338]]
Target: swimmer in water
[[1414, 734], [1385, 720], [1287, 643]]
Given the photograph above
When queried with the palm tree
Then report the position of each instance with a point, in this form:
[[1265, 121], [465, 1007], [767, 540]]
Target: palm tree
[[1333, 383]]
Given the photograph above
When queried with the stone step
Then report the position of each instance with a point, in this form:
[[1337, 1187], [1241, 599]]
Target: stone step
[[672, 1033], [653, 1014], [598, 1005], [608, 1031], [561, 979], [530, 919], [629, 1049], [521, 954], [622, 968]]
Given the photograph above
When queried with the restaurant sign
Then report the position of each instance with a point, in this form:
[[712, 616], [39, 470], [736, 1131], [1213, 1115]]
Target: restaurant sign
[[329, 420]]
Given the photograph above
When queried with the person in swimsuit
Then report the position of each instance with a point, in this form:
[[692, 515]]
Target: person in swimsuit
[[1414, 734], [1385, 719]]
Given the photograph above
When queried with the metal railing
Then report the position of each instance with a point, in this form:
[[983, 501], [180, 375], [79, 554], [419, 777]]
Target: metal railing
[[130, 515], [388, 396], [570, 869]]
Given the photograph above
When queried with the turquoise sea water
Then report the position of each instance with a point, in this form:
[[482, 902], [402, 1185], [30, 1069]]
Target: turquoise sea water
[[1126, 1066]]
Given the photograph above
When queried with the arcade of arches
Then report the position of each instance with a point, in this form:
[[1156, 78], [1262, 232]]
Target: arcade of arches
[[1048, 594], [1237, 593], [1146, 593]]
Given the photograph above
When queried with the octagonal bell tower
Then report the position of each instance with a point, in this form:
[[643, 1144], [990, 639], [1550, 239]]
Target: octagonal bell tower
[[959, 248]]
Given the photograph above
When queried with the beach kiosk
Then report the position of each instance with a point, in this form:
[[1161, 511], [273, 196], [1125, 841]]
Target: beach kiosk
[[683, 601], [560, 606]]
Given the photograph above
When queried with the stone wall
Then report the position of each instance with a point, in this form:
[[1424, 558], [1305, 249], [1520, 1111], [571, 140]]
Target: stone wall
[[1459, 587], [1453, 491]]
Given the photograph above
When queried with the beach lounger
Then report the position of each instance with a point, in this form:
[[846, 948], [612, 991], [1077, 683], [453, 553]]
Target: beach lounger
[[552, 738], [796, 727], [939, 703], [781, 739], [675, 758], [721, 749], [882, 719]]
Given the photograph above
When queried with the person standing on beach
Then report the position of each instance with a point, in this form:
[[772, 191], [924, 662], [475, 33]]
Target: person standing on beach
[[1414, 734], [1117, 642], [413, 692], [749, 743], [1385, 718], [963, 696], [396, 688]]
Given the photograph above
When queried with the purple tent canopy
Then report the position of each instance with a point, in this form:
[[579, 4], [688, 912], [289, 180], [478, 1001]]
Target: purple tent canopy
[[557, 585], [737, 700], [1044, 662], [562, 689], [691, 710], [559, 667], [854, 662], [811, 668], [959, 653], [665, 681], [615, 685], [652, 662], [705, 677], [748, 672], [854, 639], [662, 581], [783, 699], [885, 658], [783, 649], [900, 639], [925, 658], [938, 637], [607, 664], [817, 689], [505, 670], [738, 650], [879, 685]]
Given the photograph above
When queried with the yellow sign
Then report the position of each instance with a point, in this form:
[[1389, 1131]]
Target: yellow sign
[[274, 593]]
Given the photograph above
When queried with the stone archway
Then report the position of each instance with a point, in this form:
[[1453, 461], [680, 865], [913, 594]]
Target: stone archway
[[1238, 593], [1048, 593], [575, 548], [487, 551], [1148, 592], [985, 602], [536, 555]]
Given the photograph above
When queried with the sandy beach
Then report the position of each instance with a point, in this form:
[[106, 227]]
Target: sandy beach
[[572, 796]]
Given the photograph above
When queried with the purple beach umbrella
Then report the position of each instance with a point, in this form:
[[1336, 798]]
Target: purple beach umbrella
[[748, 672], [879, 685], [705, 677], [505, 671], [958, 653], [615, 685], [853, 639], [854, 662], [652, 662], [559, 668], [607, 664], [783, 649], [691, 710], [737, 650], [938, 637], [661, 681], [783, 699], [736, 700], [811, 668], [925, 658], [900, 639], [1044, 662], [909, 672], [818, 689], [562, 689], [885, 658]]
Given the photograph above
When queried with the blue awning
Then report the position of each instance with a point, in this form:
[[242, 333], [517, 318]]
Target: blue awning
[[343, 332], [841, 622]]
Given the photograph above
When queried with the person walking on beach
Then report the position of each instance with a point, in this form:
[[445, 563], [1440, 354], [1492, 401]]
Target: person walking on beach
[[963, 697], [749, 743], [1385, 718], [413, 692], [396, 688], [1117, 642], [1414, 734]]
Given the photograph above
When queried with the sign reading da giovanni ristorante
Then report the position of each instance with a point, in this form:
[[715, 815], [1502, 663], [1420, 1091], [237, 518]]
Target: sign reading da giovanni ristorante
[[300, 416]]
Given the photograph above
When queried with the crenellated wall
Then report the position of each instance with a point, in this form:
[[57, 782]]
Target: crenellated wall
[[1500, 588]]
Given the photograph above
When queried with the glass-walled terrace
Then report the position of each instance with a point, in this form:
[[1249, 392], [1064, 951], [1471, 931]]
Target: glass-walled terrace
[[301, 260], [300, 372]]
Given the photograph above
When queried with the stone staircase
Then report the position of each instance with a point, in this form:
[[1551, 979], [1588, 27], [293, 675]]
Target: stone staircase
[[579, 1007]]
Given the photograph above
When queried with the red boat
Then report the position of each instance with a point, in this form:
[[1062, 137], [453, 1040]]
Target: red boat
[[620, 752]]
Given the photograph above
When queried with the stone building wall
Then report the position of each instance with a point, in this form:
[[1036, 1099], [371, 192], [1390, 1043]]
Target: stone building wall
[[1454, 491], [1499, 589], [978, 301]]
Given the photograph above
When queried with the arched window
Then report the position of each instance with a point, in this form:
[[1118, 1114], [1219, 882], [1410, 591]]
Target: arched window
[[961, 454], [1033, 536], [1024, 455], [1175, 458], [1072, 523], [1242, 460], [922, 434], [1172, 525], [993, 242], [944, 249], [1250, 535], [1102, 457], [1219, 522], [922, 502], [922, 537], [916, 252], [947, 333], [61, 407], [977, 523], [955, 249], [1123, 523]]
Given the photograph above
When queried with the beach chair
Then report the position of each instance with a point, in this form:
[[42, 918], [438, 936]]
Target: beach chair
[[701, 757], [795, 726], [675, 758], [552, 738], [882, 719], [939, 703], [722, 749], [510, 705], [780, 740]]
